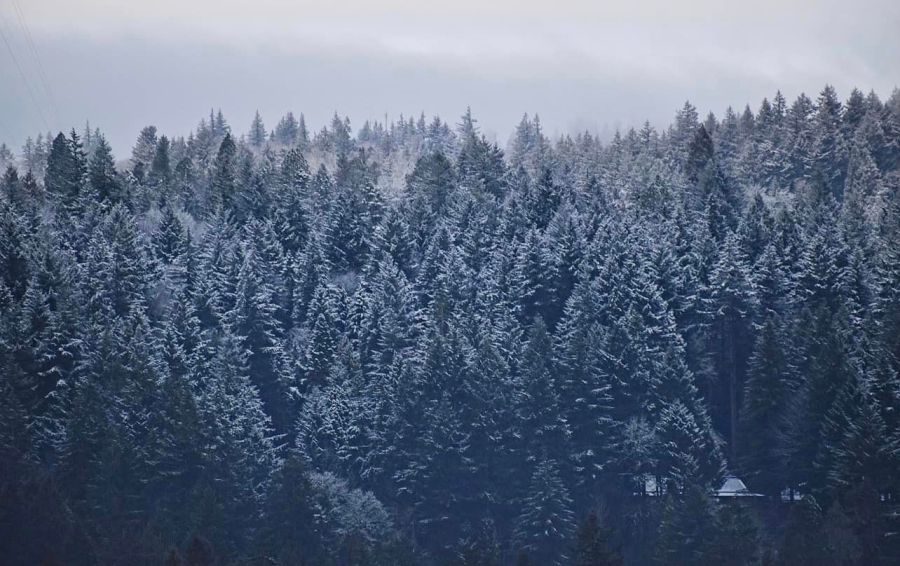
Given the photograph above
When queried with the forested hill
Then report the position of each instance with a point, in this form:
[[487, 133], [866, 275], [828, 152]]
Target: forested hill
[[410, 346]]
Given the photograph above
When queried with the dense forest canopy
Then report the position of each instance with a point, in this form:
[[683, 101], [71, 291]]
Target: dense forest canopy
[[410, 346]]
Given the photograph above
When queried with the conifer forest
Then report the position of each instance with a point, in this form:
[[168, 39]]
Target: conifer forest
[[402, 343]]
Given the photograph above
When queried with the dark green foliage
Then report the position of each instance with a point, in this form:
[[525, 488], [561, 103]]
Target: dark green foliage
[[426, 353], [593, 546], [687, 530], [12, 186], [542, 423], [66, 169], [102, 174], [160, 167], [700, 152], [257, 136], [769, 386], [545, 527], [802, 542], [170, 240], [224, 178], [737, 538], [732, 306], [289, 131], [290, 535], [480, 164], [200, 552], [14, 243]]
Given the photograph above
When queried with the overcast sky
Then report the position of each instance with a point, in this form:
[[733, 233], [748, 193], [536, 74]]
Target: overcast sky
[[593, 64]]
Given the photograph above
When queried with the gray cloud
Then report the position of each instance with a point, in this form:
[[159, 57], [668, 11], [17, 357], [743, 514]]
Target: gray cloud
[[577, 63]]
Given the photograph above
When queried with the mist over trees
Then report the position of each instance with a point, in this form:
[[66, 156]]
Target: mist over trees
[[411, 346]]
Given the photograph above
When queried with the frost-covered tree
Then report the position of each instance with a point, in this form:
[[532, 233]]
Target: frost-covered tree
[[406, 346], [546, 525], [102, 173], [257, 135]]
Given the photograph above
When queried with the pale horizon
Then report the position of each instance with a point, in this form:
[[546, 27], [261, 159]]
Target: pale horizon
[[577, 65]]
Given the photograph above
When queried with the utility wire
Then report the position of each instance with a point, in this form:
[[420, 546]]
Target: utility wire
[[12, 54], [37, 57]]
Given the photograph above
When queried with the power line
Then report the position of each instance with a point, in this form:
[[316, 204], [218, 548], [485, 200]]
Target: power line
[[12, 54], [37, 57]]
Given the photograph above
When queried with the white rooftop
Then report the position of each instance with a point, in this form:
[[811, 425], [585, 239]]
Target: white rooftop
[[734, 487]]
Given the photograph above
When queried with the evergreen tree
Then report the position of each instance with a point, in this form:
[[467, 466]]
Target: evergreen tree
[[224, 182], [66, 170], [239, 455], [700, 152], [430, 187], [239, 354], [171, 239], [287, 130], [683, 130], [770, 382], [802, 542], [592, 547], [733, 304], [292, 210], [480, 164], [686, 457], [545, 526], [255, 321], [145, 147], [160, 168], [324, 328], [117, 282], [687, 529], [737, 539], [290, 533], [544, 428], [14, 243], [829, 146], [257, 136], [12, 186], [586, 397], [102, 174]]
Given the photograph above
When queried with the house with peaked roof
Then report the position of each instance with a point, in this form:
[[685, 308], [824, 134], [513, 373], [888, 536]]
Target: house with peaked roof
[[734, 487]]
